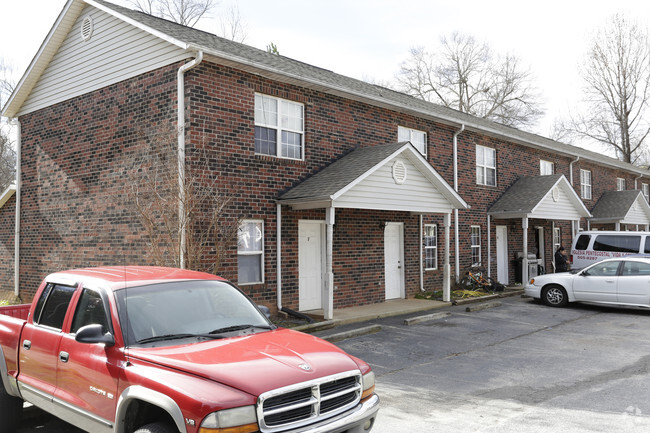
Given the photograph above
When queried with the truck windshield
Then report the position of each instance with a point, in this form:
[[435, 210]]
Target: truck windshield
[[187, 308]]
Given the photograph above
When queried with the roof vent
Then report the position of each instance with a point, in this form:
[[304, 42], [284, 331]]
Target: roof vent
[[87, 28], [399, 172]]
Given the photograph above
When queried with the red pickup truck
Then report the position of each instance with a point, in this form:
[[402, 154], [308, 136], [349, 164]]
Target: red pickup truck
[[159, 350]]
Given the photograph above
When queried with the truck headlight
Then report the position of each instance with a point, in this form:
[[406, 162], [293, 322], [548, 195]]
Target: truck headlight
[[237, 420], [368, 382]]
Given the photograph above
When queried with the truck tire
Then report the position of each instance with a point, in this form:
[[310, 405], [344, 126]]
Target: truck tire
[[11, 409], [156, 427]]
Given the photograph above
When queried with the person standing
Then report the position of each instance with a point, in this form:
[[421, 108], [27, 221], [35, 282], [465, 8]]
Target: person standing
[[561, 261]]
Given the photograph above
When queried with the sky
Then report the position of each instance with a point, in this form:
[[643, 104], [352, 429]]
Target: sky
[[368, 39]]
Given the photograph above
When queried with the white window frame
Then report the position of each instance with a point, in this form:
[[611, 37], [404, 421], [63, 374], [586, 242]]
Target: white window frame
[[246, 252], [483, 167], [585, 184], [546, 168], [416, 137], [620, 184], [276, 114], [475, 235], [645, 188], [430, 251]]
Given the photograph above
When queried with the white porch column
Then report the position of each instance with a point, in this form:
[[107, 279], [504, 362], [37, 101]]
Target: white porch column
[[524, 262], [328, 293], [618, 227], [446, 270]]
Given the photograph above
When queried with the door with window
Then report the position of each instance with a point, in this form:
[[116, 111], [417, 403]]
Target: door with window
[[311, 255], [394, 260], [87, 373], [41, 338], [598, 283]]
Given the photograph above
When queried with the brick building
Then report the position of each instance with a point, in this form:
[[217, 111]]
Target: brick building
[[345, 193]]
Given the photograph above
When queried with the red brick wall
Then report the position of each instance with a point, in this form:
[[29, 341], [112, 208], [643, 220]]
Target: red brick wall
[[7, 236], [74, 197]]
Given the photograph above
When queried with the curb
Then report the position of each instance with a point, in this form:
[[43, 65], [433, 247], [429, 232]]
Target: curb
[[352, 333], [479, 307], [506, 294], [426, 318]]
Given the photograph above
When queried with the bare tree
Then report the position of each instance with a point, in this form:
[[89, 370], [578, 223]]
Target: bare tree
[[233, 26], [617, 86], [184, 12], [155, 195], [7, 152], [465, 75]]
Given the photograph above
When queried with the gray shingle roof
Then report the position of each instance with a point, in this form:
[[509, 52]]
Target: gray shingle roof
[[330, 81], [342, 172], [525, 194], [614, 204]]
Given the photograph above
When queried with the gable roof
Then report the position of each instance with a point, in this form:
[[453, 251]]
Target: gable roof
[[288, 70], [628, 207], [545, 197], [329, 186]]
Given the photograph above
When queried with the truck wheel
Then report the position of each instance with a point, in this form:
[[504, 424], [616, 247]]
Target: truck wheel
[[156, 427], [11, 409]]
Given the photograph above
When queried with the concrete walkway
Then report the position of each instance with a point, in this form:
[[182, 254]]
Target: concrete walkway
[[395, 307]]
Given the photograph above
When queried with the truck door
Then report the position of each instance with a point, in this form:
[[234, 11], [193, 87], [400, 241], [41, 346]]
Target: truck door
[[88, 373], [40, 341]]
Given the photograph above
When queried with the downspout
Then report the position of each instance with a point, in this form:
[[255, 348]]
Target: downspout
[[421, 255], [181, 152], [636, 180], [574, 230], [456, 242], [18, 197], [278, 250]]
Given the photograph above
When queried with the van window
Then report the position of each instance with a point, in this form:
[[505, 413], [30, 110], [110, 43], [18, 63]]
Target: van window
[[617, 243], [583, 242], [647, 245]]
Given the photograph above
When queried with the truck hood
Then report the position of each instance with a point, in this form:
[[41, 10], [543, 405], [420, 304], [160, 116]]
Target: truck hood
[[254, 363]]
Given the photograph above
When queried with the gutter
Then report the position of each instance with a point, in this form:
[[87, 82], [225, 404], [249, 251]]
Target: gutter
[[181, 153], [18, 194]]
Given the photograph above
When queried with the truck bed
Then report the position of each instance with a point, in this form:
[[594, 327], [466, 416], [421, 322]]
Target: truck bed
[[18, 311]]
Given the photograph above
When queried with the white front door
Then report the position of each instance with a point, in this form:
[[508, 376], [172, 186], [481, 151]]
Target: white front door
[[394, 260], [311, 247], [502, 254]]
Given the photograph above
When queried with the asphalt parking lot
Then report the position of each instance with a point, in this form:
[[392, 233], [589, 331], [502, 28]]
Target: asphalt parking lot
[[517, 367]]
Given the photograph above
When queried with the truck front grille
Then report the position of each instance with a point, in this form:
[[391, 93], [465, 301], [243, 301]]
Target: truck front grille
[[308, 402]]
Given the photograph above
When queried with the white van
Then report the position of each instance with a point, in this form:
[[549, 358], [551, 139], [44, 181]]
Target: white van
[[593, 246]]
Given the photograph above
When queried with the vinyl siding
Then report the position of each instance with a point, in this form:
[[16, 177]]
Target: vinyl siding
[[379, 191], [636, 215], [559, 210], [115, 52]]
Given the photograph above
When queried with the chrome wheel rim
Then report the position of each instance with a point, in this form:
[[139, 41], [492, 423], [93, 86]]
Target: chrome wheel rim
[[554, 295]]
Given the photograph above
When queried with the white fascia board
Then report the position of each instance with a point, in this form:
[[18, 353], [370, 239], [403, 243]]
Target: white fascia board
[[6, 195]]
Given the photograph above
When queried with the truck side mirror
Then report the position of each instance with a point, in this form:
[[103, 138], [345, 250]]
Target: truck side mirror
[[93, 334]]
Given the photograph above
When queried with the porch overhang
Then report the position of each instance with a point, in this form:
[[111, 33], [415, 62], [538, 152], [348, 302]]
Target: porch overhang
[[621, 207], [394, 177], [540, 197]]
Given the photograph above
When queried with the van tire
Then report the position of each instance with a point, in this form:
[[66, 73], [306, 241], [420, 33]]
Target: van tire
[[11, 409], [554, 295]]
